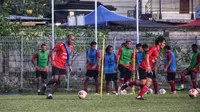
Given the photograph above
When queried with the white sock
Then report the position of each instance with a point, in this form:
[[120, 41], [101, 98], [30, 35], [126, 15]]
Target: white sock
[[138, 96], [38, 90], [182, 85], [45, 85], [49, 94]]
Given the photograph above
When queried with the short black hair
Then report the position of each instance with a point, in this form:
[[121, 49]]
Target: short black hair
[[194, 46], [93, 43], [138, 45], [167, 47], [108, 47], [144, 46], [159, 39], [123, 44], [128, 41], [43, 45]]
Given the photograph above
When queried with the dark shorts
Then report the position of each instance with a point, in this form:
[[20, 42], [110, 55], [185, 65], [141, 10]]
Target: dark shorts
[[171, 76], [124, 72], [58, 71], [41, 74], [111, 77], [189, 72], [92, 73], [144, 75]]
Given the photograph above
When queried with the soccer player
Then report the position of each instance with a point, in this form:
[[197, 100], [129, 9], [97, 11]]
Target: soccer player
[[155, 82], [170, 68], [60, 63], [110, 69], [43, 58], [93, 57], [145, 68], [192, 69], [124, 62]]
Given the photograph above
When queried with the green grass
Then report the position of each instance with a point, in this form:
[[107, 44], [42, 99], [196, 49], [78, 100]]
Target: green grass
[[112, 103]]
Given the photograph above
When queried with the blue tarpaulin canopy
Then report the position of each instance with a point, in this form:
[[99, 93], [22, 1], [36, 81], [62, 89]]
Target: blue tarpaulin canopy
[[105, 17]]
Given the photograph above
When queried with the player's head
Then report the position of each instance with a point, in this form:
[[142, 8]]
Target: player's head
[[167, 48], [128, 44], [109, 49], [43, 47], [70, 39], [139, 47], [160, 41], [123, 45], [145, 47], [194, 47], [93, 45]]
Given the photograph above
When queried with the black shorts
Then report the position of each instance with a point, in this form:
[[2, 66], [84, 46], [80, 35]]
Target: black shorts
[[124, 72], [171, 76], [92, 73], [189, 72], [143, 74], [58, 71], [41, 74], [111, 77]]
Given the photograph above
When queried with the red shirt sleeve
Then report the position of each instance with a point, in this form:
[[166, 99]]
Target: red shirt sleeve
[[120, 52], [151, 51], [57, 47], [169, 56], [98, 54], [198, 59], [34, 58]]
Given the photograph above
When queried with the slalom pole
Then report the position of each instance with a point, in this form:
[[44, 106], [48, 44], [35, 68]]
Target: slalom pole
[[134, 69], [102, 67]]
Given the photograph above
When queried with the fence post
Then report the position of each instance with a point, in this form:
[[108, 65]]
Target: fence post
[[68, 78], [22, 64]]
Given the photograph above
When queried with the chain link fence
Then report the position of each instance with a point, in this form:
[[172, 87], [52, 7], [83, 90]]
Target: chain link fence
[[17, 70]]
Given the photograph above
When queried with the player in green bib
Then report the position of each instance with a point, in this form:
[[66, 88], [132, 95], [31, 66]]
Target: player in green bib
[[124, 63], [41, 66], [192, 69]]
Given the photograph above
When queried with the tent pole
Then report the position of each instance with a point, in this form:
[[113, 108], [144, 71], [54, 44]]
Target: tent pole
[[137, 20], [96, 22]]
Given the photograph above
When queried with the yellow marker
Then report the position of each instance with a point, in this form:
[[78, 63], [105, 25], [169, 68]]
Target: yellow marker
[[134, 69], [102, 67]]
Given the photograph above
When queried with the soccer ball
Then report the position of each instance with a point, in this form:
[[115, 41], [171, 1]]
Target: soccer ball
[[150, 91], [162, 91], [193, 93], [82, 94]]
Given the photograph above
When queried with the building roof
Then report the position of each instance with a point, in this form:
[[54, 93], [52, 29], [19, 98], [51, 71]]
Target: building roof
[[88, 5]]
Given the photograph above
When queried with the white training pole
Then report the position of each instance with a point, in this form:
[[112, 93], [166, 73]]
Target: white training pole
[[96, 22], [137, 20], [52, 23]]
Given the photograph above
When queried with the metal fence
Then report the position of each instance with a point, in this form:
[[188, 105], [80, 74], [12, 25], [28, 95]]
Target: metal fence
[[17, 71]]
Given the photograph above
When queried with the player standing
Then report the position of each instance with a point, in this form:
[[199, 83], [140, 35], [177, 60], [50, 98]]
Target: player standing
[[192, 69], [170, 68], [124, 62], [146, 68], [43, 58], [93, 57], [110, 69], [60, 63]]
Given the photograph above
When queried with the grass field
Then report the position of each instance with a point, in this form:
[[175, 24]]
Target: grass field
[[112, 103]]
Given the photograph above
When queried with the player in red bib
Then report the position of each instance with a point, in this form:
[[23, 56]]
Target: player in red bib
[[146, 68], [60, 63]]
